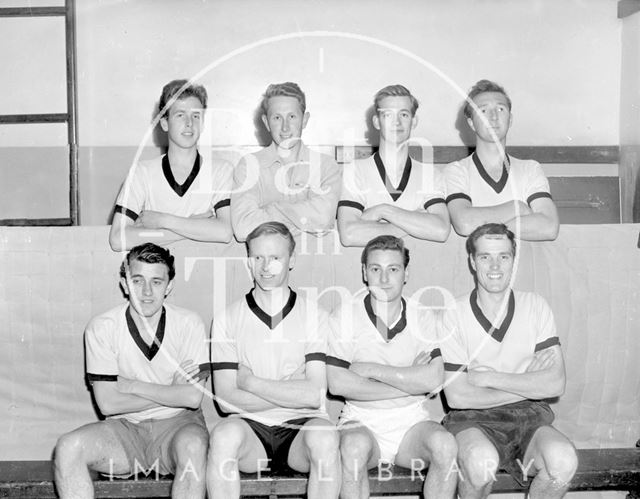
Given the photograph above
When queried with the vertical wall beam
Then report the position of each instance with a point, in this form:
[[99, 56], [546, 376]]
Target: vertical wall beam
[[72, 111]]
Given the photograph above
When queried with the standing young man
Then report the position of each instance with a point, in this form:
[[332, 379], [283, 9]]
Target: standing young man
[[268, 353], [178, 195], [390, 193], [502, 360], [143, 362], [492, 186], [286, 181], [383, 359]]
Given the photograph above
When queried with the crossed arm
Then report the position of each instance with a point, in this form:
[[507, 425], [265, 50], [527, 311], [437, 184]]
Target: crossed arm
[[372, 381], [164, 228], [535, 222], [127, 395], [357, 228], [485, 388], [242, 391]]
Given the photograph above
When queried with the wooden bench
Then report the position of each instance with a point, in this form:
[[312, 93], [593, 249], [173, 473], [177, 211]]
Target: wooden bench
[[600, 469]]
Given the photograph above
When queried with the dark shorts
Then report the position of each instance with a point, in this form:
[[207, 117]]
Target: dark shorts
[[277, 441], [150, 440], [510, 429]]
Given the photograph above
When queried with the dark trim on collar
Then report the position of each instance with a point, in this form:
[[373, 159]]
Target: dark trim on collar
[[126, 212], [395, 193], [180, 189], [149, 351], [380, 325], [271, 321], [499, 332], [496, 186]]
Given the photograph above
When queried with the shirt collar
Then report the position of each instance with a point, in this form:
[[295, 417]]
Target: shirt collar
[[270, 154]]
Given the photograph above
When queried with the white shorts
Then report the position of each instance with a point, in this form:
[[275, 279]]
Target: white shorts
[[388, 426]]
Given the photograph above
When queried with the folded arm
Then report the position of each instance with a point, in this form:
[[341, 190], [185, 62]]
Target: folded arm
[[424, 376], [541, 224], [112, 401], [431, 224], [350, 385], [356, 230]]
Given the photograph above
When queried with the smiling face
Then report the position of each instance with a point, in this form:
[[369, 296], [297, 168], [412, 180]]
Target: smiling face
[[147, 285], [183, 122], [270, 261], [394, 119], [385, 274], [285, 121], [493, 263], [493, 115]]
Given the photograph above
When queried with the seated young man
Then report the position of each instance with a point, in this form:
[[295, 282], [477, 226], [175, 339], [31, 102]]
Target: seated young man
[[286, 181], [390, 193], [142, 360], [383, 358], [492, 186], [502, 359], [268, 352], [178, 195]]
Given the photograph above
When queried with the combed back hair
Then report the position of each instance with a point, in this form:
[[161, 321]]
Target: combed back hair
[[387, 243], [272, 228], [479, 88], [148, 253], [395, 91], [286, 89], [493, 229], [170, 90]]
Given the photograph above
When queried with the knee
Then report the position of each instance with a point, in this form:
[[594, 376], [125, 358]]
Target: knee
[[68, 448], [322, 442], [355, 447], [561, 462], [479, 463], [442, 448], [226, 438], [191, 443]]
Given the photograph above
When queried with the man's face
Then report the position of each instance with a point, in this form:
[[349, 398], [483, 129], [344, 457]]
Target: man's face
[[270, 262], [183, 122], [285, 121], [493, 115], [147, 285], [394, 119], [493, 263], [385, 274]]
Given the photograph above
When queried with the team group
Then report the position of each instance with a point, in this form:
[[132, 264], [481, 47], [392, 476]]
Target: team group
[[275, 353]]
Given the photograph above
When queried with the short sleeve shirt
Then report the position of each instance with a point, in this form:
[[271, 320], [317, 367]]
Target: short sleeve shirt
[[273, 347], [150, 185], [365, 183], [469, 340], [115, 347], [467, 179], [355, 336]]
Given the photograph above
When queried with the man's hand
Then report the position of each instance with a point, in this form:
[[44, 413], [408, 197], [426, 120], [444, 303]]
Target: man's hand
[[422, 359], [149, 219], [375, 213], [542, 360], [478, 377], [188, 372], [244, 377]]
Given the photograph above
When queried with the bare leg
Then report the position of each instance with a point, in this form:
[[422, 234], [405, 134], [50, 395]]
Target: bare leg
[[189, 452], [233, 447], [359, 452], [315, 449], [93, 446], [555, 459], [478, 460], [429, 443]]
